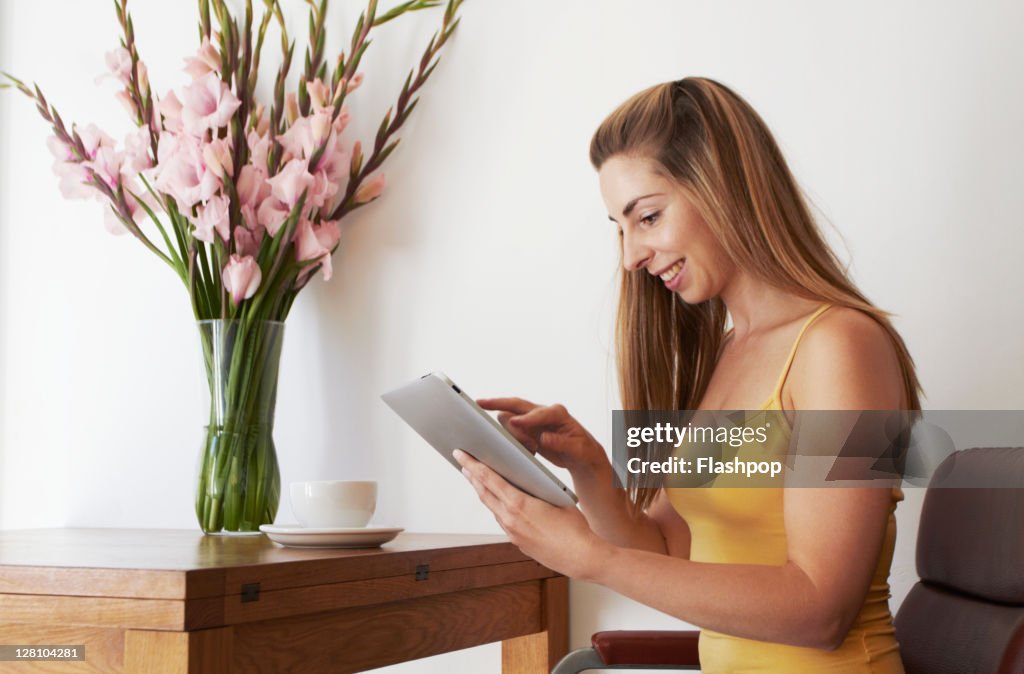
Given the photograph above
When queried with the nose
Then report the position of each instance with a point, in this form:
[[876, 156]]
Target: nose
[[635, 253]]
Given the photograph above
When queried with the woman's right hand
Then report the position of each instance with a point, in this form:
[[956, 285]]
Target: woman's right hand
[[548, 430]]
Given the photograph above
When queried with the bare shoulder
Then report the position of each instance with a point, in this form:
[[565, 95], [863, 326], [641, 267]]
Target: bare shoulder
[[846, 360]]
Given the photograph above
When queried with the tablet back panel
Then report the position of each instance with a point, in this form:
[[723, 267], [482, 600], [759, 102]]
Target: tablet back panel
[[448, 419]]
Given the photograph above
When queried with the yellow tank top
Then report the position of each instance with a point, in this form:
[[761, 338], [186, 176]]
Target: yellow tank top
[[744, 525]]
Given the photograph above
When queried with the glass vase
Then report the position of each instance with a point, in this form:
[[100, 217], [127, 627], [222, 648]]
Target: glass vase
[[239, 481]]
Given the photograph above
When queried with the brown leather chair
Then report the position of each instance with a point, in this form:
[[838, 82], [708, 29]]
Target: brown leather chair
[[965, 615]]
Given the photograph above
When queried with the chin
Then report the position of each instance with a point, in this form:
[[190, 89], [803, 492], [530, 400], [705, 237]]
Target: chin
[[691, 297]]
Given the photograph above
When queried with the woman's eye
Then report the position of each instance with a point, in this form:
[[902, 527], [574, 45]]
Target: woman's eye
[[650, 218]]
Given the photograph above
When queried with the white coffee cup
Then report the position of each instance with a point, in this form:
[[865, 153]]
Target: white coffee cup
[[333, 503]]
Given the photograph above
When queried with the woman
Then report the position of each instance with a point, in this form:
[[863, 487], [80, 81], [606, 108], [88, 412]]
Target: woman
[[712, 224]]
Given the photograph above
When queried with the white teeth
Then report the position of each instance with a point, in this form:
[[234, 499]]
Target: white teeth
[[672, 271]]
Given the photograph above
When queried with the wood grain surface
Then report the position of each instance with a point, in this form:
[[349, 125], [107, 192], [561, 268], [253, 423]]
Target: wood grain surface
[[185, 564], [540, 652], [353, 640], [104, 648]]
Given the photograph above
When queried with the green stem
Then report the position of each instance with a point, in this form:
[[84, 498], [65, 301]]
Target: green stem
[[239, 480]]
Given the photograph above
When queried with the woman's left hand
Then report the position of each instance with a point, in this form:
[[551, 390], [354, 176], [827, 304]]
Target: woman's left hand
[[558, 538]]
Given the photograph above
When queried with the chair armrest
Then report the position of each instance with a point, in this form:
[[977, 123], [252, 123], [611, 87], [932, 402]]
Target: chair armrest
[[635, 647]]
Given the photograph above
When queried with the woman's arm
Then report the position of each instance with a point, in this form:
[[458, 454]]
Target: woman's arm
[[660, 529], [834, 535], [811, 600]]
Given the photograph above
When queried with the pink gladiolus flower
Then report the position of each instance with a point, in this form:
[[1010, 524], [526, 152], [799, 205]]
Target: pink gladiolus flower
[[208, 104], [247, 241], [328, 233], [298, 139], [335, 164], [322, 191], [306, 135], [288, 185], [136, 152], [272, 214], [320, 127], [205, 61], [181, 171], [107, 166], [61, 152], [307, 245], [217, 155], [252, 186], [259, 148], [170, 107], [250, 220], [315, 242], [75, 182], [112, 222], [125, 100], [119, 66], [213, 216], [59, 149], [241, 277], [319, 95], [93, 139], [341, 121], [370, 190], [143, 73], [355, 82]]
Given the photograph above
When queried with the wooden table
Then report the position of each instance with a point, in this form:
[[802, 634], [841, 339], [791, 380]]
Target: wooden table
[[161, 600]]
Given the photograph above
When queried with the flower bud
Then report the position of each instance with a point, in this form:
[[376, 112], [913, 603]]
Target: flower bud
[[370, 189], [291, 108]]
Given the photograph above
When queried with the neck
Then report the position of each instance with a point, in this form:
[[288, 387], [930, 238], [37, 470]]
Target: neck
[[757, 307]]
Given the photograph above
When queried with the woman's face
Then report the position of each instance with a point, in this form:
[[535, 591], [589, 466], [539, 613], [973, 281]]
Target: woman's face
[[662, 232]]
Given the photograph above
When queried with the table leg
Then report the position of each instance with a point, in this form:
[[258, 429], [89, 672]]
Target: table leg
[[538, 653], [197, 652]]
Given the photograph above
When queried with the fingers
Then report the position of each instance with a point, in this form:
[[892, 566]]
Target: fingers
[[513, 405], [552, 415], [479, 471], [554, 441], [487, 497], [463, 457], [523, 413], [528, 440], [494, 491]]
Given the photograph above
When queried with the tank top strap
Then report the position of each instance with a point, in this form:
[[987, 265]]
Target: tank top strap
[[792, 352]]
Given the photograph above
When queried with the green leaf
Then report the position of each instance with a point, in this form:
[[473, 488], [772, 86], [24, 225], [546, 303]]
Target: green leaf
[[399, 10], [387, 151], [408, 111], [384, 123]]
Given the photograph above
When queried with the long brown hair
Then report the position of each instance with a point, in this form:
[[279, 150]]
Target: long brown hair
[[710, 141]]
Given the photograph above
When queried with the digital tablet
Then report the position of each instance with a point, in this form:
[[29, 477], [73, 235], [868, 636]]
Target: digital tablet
[[449, 419]]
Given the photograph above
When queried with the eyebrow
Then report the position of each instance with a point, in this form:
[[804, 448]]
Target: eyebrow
[[632, 204]]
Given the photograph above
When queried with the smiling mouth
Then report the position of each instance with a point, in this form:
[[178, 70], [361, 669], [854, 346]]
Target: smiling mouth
[[669, 274]]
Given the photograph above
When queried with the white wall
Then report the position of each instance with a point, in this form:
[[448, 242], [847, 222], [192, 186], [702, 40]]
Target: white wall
[[490, 256]]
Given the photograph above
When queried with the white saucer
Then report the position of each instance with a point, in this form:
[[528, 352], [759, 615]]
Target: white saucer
[[296, 536]]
